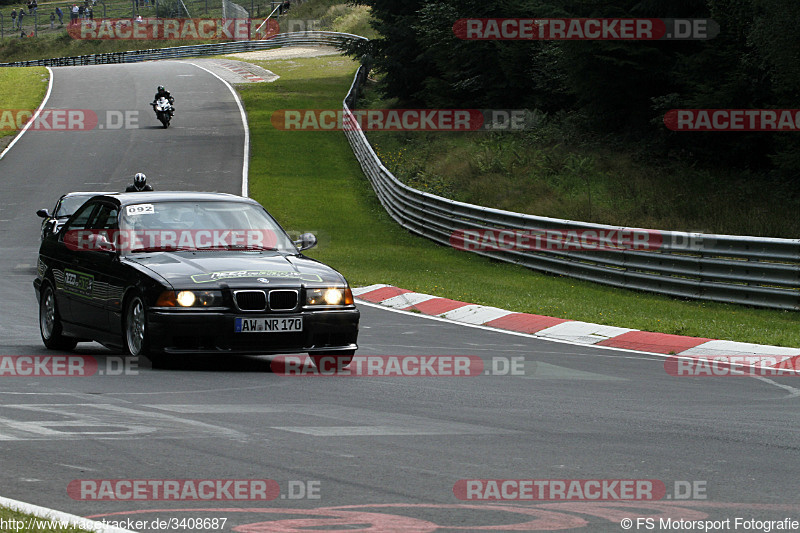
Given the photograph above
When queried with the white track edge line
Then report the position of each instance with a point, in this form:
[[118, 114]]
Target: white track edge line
[[35, 114], [246, 162], [59, 516], [508, 331]]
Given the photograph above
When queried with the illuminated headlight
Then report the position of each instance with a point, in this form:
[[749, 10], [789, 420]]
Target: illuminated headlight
[[329, 296], [190, 299], [186, 298]]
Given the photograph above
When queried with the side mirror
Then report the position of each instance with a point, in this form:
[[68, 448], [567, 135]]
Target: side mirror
[[306, 241], [43, 213]]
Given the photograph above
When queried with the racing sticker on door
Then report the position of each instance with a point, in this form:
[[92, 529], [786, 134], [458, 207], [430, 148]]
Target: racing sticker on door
[[78, 283]]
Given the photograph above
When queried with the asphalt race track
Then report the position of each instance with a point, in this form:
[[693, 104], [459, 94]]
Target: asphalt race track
[[376, 453]]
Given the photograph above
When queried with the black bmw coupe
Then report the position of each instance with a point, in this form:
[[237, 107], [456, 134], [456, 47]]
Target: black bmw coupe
[[160, 273]]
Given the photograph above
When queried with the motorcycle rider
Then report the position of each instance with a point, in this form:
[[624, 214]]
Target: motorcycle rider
[[139, 184], [161, 92]]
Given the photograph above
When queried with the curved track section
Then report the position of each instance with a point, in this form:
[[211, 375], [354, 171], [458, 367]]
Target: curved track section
[[377, 453]]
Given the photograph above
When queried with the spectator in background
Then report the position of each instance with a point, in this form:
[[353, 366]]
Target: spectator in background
[[52, 20], [91, 12], [81, 10], [19, 19], [13, 19], [60, 15], [73, 14]]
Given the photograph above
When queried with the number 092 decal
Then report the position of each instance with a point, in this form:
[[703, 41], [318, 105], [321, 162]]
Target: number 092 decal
[[140, 209]]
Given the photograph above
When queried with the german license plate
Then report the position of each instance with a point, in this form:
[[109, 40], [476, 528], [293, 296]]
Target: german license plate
[[268, 325]]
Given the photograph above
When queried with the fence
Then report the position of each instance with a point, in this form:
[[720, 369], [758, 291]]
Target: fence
[[723, 268], [306, 38], [37, 23]]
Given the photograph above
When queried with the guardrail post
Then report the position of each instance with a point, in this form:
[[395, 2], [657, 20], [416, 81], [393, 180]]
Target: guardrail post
[[1, 27]]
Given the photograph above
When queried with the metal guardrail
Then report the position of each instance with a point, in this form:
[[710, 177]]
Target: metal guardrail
[[755, 271], [300, 38]]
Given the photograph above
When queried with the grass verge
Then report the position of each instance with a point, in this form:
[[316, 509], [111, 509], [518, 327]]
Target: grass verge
[[559, 170], [31, 523], [330, 15], [62, 45], [21, 89], [310, 181]]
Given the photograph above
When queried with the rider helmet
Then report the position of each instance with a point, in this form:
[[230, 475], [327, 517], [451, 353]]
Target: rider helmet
[[139, 180]]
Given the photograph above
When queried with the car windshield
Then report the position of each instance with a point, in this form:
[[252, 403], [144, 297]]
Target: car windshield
[[200, 226], [70, 204]]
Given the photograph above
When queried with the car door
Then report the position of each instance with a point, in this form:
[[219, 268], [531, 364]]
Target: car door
[[100, 267], [73, 283]]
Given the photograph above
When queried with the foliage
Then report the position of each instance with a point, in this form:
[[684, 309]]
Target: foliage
[[615, 87]]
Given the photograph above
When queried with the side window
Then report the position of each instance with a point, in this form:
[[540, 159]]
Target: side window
[[105, 218], [81, 218]]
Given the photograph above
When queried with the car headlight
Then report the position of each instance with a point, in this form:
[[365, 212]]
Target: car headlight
[[189, 299], [329, 296]]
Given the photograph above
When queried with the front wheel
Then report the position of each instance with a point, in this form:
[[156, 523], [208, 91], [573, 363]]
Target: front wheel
[[134, 332], [50, 322]]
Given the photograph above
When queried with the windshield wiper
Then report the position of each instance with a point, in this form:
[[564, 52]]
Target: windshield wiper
[[162, 249], [237, 247]]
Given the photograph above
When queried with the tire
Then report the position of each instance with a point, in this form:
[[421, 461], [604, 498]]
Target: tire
[[135, 339], [343, 359], [50, 322]]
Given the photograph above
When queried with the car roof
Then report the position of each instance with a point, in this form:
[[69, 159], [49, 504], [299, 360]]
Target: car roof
[[86, 193], [128, 198]]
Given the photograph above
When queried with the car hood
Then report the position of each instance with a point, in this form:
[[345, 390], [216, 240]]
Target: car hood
[[213, 270]]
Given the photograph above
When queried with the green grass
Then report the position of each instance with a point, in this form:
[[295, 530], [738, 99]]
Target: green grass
[[21, 89], [332, 15], [60, 44], [311, 181], [31, 522]]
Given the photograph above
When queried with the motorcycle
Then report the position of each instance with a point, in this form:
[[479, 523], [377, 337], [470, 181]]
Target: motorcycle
[[163, 109]]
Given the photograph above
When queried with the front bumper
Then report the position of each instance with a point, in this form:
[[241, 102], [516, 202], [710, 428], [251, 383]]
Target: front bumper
[[324, 331]]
